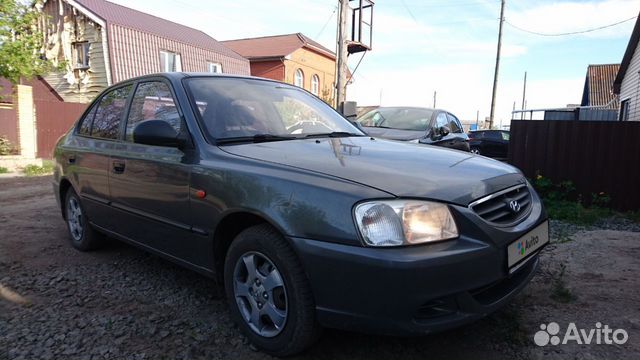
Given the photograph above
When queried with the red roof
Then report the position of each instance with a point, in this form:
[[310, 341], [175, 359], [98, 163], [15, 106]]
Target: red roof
[[276, 46], [137, 20]]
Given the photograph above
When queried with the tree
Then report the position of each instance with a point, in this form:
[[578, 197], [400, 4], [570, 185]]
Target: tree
[[20, 42]]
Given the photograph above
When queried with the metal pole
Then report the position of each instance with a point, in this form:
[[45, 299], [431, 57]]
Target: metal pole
[[341, 70], [524, 94], [495, 75], [477, 119], [435, 94]]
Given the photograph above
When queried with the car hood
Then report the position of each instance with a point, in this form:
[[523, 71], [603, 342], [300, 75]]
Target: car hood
[[400, 169], [394, 134]]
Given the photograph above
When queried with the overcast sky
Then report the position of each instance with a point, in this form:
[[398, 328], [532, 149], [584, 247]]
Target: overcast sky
[[448, 46]]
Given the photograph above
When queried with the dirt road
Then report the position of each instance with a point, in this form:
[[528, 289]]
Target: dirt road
[[120, 302]]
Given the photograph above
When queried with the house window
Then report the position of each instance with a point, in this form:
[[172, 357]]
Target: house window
[[299, 78], [315, 84], [215, 68], [624, 110], [170, 61], [81, 55]]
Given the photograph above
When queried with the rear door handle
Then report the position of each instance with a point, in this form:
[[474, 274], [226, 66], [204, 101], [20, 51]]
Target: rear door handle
[[118, 166]]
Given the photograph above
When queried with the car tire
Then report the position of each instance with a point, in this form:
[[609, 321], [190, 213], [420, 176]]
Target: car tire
[[475, 150], [81, 234], [258, 262]]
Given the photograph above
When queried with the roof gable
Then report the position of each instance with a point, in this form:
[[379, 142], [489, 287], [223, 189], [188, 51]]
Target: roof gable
[[137, 20], [628, 55], [276, 46]]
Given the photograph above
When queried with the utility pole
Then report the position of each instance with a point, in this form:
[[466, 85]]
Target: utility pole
[[435, 94], [495, 75], [477, 119], [524, 95], [341, 70]]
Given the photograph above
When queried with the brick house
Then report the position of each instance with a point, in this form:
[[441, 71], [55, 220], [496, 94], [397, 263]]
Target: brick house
[[292, 58]]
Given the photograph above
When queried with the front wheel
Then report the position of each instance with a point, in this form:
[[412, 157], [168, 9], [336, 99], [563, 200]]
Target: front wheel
[[269, 295]]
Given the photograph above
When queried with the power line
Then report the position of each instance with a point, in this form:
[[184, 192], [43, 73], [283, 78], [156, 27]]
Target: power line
[[408, 10], [327, 22], [572, 32]]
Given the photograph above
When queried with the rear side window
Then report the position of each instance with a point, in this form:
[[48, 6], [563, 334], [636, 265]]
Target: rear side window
[[493, 135], [152, 101], [106, 123], [85, 124], [505, 136]]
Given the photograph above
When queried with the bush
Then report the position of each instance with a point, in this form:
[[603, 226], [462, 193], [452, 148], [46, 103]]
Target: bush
[[563, 202], [35, 170], [3, 170], [6, 147]]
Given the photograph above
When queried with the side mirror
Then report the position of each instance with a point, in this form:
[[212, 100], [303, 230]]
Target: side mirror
[[158, 133], [438, 133]]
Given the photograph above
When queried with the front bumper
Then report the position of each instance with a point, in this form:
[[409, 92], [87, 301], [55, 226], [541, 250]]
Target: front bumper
[[420, 289]]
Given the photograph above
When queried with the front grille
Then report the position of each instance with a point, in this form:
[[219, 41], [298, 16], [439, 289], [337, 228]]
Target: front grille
[[505, 207]]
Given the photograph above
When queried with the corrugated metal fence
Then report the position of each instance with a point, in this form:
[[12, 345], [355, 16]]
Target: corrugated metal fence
[[597, 156], [54, 118]]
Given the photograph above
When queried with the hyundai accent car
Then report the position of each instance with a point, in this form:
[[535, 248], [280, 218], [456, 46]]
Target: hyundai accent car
[[416, 124], [308, 222]]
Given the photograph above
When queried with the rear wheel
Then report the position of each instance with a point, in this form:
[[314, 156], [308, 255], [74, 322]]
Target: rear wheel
[[269, 295], [83, 237], [475, 150]]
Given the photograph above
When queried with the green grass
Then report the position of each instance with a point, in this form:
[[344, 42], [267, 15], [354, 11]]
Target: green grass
[[574, 212], [35, 170], [4, 170], [560, 292]]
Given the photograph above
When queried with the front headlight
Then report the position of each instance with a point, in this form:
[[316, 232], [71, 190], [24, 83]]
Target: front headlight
[[404, 222]]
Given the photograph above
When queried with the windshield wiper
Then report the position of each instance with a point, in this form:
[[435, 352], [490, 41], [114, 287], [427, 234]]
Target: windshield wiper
[[253, 139], [380, 126], [333, 134]]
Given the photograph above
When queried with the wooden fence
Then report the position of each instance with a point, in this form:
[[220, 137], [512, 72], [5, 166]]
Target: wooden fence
[[53, 119], [597, 156]]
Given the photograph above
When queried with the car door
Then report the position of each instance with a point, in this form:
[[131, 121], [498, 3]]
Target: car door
[[89, 153], [149, 185]]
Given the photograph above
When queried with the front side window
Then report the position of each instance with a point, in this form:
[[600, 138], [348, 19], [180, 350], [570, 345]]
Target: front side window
[[152, 101], [106, 123], [315, 85], [454, 124], [442, 120], [299, 78], [237, 108], [81, 55], [415, 119], [170, 61], [215, 68]]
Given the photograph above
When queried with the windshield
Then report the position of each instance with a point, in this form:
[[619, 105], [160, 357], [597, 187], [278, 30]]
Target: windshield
[[236, 108], [398, 118]]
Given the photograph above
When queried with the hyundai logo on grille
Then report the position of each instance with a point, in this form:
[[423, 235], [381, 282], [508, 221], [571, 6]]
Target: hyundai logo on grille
[[514, 205]]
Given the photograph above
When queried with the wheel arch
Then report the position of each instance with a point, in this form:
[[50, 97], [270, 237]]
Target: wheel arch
[[63, 188], [229, 226]]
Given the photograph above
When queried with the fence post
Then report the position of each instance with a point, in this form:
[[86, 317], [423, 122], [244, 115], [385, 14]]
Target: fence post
[[27, 134]]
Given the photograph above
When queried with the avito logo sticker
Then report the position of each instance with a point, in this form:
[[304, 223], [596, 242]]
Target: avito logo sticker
[[549, 334]]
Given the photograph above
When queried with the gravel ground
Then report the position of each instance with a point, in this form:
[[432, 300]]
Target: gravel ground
[[121, 303]]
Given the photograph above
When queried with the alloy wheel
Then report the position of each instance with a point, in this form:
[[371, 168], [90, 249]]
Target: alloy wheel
[[260, 294], [74, 218]]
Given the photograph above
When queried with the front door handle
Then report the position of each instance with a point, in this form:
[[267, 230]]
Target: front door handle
[[118, 166]]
